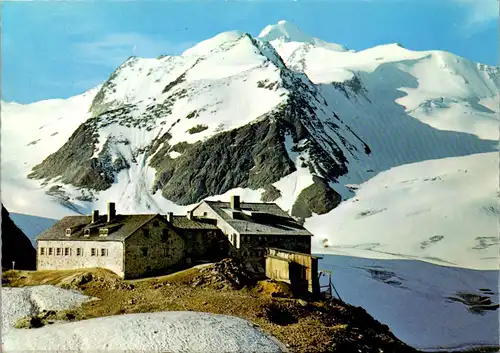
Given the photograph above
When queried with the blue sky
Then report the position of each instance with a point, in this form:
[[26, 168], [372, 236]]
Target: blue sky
[[59, 49]]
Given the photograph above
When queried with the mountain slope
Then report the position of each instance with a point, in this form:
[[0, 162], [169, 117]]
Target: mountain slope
[[32, 225], [265, 116], [16, 246], [444, 211], [183, 116]]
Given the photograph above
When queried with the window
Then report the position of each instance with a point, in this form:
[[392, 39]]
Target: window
[[146, 232], [51, 251], [164, 235], [42, 251], [68, 232], [144, 251], [103, 232], [104, 252], [58, 251], [156, 224], [92, 252], [86, 232], [205, 214], [79, 251], [67, 251]]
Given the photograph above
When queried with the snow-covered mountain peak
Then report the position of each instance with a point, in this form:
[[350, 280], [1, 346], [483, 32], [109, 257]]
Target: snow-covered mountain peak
[[217, 42], [284, 29], [286, 32]]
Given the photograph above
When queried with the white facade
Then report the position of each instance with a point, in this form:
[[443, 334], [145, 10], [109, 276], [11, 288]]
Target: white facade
[[74, 254]]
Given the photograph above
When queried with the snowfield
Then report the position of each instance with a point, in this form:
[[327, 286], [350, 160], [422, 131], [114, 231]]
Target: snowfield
[[151, 332], [443, 211], [21, 302], [419, 301]]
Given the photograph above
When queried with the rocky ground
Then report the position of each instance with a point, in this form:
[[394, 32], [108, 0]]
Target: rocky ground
[[222, 288]]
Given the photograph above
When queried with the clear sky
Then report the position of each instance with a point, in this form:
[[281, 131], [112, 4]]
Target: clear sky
[[58, 49]]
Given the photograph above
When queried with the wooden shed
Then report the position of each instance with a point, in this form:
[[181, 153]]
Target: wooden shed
[[300, 270]]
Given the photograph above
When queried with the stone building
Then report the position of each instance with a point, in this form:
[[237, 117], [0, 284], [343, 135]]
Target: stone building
[[129, 245], [137, 245], [252, 227]]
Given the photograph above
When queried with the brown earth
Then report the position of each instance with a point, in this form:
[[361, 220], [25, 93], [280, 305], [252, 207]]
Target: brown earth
[[303, 325]]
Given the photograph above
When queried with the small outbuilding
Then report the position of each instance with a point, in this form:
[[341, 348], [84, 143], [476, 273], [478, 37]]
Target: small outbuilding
[[300, 270]]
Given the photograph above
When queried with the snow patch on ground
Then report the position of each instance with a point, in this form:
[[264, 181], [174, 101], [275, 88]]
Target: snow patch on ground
[[21, 302], [159, 332]]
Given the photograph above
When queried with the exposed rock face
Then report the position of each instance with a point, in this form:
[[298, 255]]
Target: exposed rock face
[[252, 156], [74, 162], [16, 246], [318, 198], [270, 194]]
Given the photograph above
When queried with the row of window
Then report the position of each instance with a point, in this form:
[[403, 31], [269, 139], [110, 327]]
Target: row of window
[[251, 238], [257, 253], [245, 238], [69, 251], [144, 251]]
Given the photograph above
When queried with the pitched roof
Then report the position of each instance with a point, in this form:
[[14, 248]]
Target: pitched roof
[[258, 218], [119, 228], [182, 222]]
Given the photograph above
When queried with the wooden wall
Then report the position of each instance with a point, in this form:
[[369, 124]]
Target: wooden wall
[[301, 267]]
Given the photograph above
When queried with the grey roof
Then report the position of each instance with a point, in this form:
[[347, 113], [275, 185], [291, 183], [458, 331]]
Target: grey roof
[[119, 228], [182, 222], [294, 252], [259, 218], [284, 259]]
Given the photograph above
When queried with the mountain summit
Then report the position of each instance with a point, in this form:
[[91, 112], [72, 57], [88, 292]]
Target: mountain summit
[[288, 32]]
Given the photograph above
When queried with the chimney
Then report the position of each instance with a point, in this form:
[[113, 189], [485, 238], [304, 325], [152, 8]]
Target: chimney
[[190, 214], [95, 216], [235, 202], [111, 211], [170, 217]]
